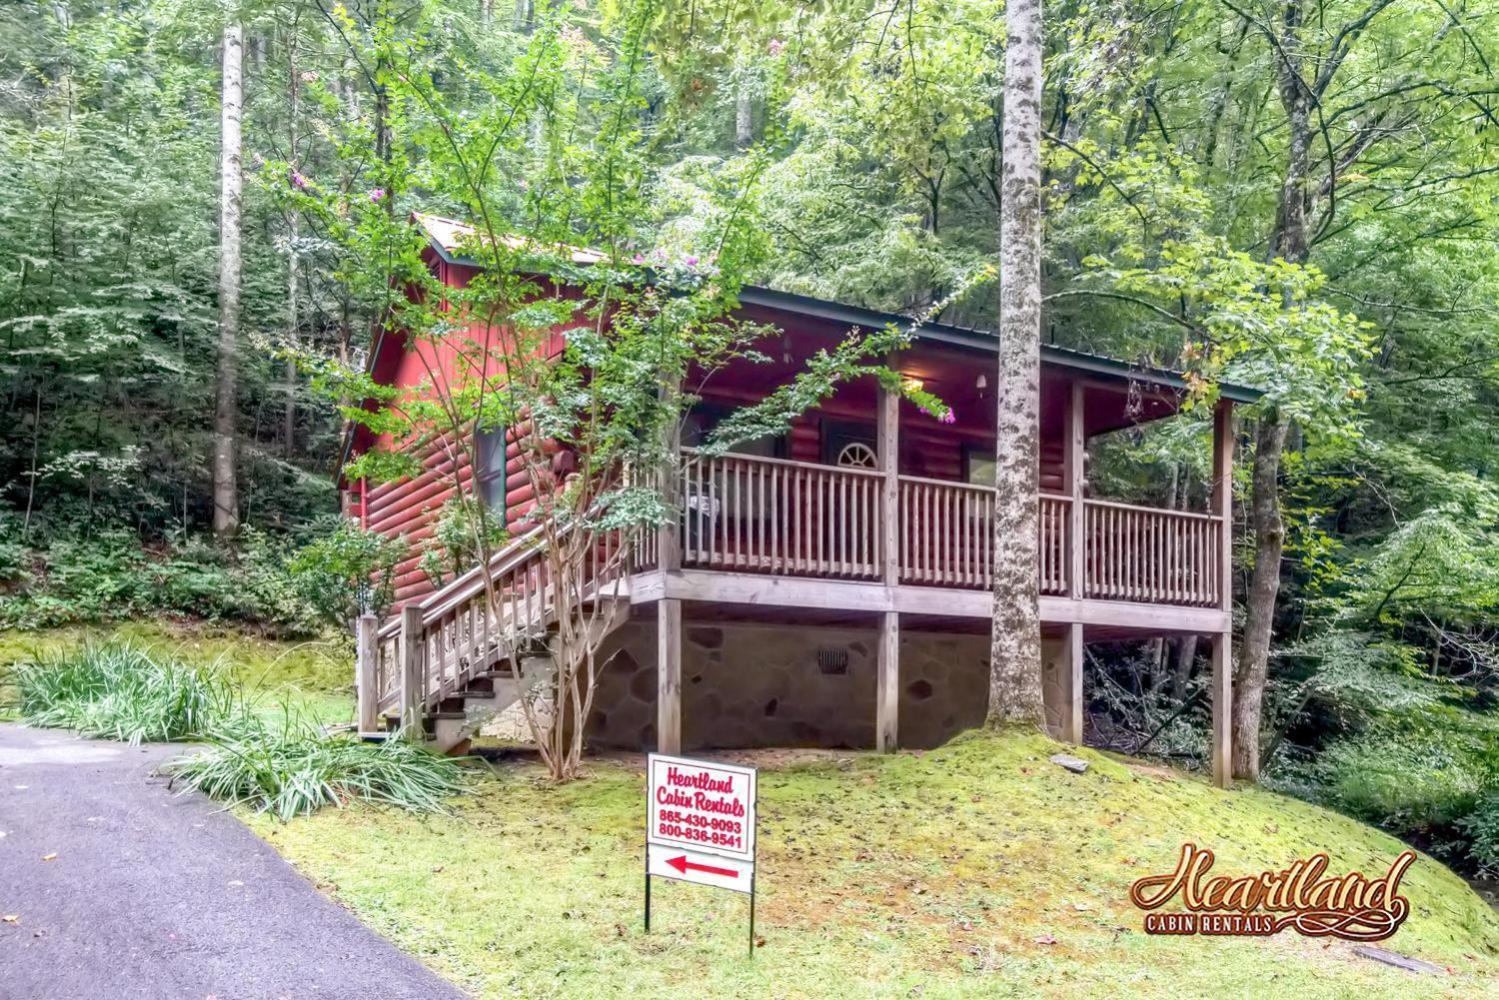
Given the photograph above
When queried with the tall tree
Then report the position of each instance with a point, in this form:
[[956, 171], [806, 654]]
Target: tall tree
[[1015, 640], [226, 396]]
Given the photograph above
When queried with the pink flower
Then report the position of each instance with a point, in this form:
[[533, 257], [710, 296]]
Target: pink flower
[[775, 46], [691, 261], [377, 194], [298, 181], [525, 185], [949, 417], [637, 259]]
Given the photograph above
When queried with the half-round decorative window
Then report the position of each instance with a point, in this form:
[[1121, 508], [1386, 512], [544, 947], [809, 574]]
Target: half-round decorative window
[[857, 455]]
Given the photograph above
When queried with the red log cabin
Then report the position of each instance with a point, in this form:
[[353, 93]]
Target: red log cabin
[[831, 586]]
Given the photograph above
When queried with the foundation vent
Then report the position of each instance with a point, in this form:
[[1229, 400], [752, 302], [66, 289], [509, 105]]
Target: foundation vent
[[832, 660]]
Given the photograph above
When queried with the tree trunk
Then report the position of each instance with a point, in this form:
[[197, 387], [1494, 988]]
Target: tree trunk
[[226, 403], [1269, 541], [293, 227], [744, 114], [1015, 642], [1290, 243]]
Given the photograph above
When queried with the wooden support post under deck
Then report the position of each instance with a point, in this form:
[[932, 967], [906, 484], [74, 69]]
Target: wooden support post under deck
[[1223, 700], [1072, 706], [413, 649], [1223, 665], [669, 675], [366, 671], [887, 686]]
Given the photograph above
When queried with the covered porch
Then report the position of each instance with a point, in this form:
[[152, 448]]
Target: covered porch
[[871, 508]]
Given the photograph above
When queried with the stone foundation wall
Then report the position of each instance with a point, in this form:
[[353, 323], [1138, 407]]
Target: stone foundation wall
[[750, 685]]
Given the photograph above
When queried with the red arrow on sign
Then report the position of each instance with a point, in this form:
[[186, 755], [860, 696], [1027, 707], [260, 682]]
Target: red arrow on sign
[[682, 865]]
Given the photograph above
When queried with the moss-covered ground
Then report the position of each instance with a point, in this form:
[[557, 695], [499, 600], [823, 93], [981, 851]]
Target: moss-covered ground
[[979, 869]]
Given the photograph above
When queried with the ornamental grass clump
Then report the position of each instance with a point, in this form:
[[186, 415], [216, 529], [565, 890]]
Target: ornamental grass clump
[[120, 691], [299, 769]]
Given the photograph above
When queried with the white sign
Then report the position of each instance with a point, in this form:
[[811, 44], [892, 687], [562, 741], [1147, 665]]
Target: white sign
[[704, 869], [700, 827], [701, 807]]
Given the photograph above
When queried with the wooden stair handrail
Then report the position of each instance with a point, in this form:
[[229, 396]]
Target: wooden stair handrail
[[469, 583]]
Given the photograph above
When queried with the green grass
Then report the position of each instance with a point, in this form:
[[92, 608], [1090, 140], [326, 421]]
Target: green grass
[[930, 875], [296, 770], [120, 691], [306, 679]]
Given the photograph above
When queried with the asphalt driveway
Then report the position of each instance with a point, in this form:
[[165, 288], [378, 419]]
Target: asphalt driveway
[[113, 886]]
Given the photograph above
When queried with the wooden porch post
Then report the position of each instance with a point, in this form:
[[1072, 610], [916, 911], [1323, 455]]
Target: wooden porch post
[[413, 648], [887, 686], [669, 537], [1074, 464], [1223, 672], [669, 675], [887, 451], [366, 671], [1075, 447], [669, 609]]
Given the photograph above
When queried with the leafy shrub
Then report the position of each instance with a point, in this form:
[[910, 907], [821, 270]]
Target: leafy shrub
[[119, 691], [1481, 828], [299, 770], [346, 572], [1414, 786], [111, 576], [451, 549]]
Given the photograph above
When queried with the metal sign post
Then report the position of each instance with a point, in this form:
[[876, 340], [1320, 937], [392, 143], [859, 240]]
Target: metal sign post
[[700, 827]]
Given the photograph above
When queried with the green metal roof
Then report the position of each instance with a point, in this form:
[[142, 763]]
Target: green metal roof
[[981, 340]]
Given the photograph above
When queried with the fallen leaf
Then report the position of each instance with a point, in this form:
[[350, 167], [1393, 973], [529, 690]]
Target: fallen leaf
[[759, 942], [50, 857], [11, 918], [1045, 939]]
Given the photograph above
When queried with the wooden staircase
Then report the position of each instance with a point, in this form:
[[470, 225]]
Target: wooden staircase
[[449, 664]]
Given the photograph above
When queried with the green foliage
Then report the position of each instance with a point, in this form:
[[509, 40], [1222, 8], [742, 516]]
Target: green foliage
[[110, 576], [345, 571], [1481, 828], [124, 692], [298, 770], [453, 547]]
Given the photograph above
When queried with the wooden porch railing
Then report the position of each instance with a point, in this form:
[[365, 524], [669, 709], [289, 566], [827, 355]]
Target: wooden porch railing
[[741, 512], [752, 514], [947, 535], [1145, 554]]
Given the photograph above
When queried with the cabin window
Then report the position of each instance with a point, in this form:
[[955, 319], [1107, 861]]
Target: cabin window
[[490, 480], [849, 445], [705, 416], [978, 465]]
